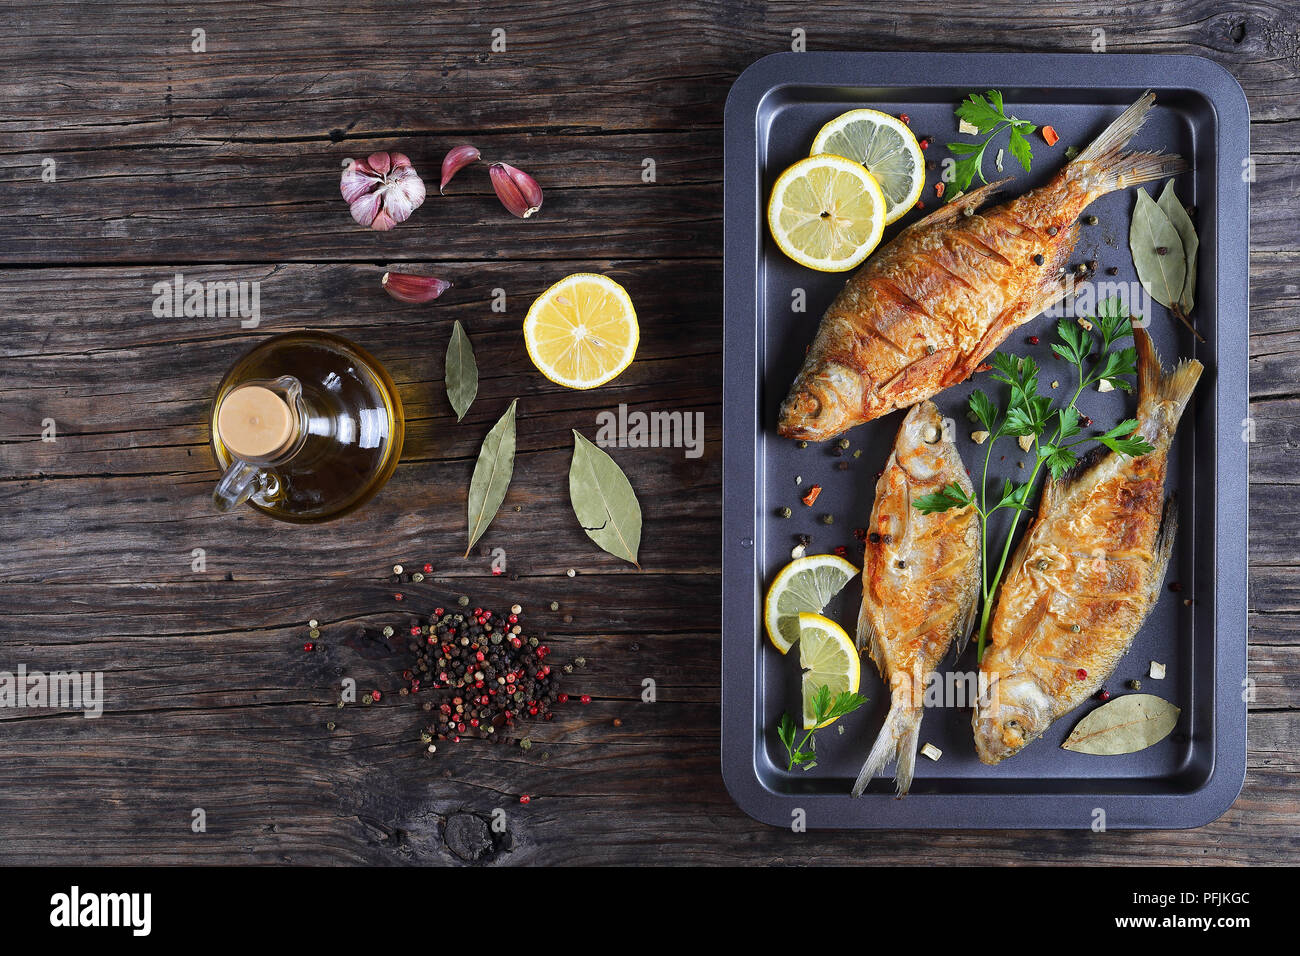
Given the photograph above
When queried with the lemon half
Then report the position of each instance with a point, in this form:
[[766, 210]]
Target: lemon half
[[827, 213], [582, 331]]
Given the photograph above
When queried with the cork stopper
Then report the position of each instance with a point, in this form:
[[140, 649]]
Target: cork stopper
[[255, 422]]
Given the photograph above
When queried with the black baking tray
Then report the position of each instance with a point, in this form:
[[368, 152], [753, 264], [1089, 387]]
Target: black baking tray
[[1191, 777]]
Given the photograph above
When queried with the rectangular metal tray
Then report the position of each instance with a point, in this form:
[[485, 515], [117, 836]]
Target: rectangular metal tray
[[1191, 777]]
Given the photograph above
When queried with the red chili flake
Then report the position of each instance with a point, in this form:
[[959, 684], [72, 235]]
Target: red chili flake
[[860, 534], [428, 569], [524, 798], [938, 189], [920, 204], [1050, 136], [397, 597], [1081, 674], [1033, 340], [309, 646], [375, 695], [840, 550], [586, 698], [905, 118]]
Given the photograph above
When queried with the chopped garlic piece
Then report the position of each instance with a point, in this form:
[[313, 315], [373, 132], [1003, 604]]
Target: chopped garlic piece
[[980, 437], [931, 751], [969, 128], [1105, 386], [1085, 325], [998, 162], [1056, 385], [1157, 671], [1026, 442], [798, 552]]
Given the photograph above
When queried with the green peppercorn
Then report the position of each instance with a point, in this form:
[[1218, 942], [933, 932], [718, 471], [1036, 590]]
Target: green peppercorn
[[1135, 685], [828, 519], [844, 443], [785, 513], [1091, 220]]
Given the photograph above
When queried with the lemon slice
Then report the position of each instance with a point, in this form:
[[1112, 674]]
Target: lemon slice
[[828, 659], [582, 331], [805, 585], [827, 213], [886, 147]]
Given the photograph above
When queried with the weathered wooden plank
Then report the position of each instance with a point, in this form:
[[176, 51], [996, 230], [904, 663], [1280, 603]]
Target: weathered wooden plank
[[271, 72]]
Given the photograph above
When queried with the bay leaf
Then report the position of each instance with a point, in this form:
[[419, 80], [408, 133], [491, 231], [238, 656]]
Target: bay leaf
[[1162, 276], [604, 501], [461, 371], [492, 472], [1178, 218], [1125, 725]]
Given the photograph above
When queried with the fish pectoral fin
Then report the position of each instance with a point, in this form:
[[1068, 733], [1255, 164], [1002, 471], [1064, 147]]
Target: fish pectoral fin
[[966, 627]]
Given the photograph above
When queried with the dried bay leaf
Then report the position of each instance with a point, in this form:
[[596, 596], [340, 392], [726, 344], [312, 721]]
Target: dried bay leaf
[[604, 501], [1125, 725], [1178, 218], [461, 371], [1162, 276], [492, 472]]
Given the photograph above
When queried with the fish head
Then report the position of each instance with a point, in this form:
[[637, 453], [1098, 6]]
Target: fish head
[[1012, 710], [822, 403], [924, 444]]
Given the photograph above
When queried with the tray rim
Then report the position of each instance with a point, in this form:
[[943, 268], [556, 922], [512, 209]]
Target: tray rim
[[740, 585]]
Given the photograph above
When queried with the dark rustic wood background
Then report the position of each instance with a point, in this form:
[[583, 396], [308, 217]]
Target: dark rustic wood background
[[224, 164]]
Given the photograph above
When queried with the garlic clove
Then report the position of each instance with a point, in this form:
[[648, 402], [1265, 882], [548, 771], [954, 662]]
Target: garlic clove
[[379, 162], [457, 159], [365, 209], [518, 191], [358, 179], [405, 287]]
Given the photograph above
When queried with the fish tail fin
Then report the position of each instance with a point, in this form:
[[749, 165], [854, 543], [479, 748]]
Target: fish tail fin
[[896, 741], [1105, 156], [1155, 386]]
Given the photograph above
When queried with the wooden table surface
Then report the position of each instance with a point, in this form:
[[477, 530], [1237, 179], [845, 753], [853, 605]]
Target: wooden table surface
[[223, 164]]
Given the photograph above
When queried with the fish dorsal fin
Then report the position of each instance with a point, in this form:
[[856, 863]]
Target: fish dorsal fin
[[955, 208]]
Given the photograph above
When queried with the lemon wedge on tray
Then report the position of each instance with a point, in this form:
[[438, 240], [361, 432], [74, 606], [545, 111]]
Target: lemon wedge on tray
[[828, 659], [805, 585]]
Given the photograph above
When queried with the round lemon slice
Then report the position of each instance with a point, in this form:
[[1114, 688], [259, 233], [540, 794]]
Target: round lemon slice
[[827, 213], [829, 660], [805, 585], [886, 147], [582, 331]]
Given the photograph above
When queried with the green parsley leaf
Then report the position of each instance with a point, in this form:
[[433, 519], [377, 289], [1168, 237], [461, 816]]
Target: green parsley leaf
[[952, 496], [983, 409]]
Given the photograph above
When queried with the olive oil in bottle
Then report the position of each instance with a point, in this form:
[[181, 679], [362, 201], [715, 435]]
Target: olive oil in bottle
[[308, 426]]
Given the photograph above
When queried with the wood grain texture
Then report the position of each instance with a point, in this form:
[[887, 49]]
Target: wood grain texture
[[223, 165]]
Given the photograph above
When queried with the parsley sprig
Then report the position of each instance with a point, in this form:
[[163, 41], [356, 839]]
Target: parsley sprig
[[1055, 433], [825, 709], [986, 114]]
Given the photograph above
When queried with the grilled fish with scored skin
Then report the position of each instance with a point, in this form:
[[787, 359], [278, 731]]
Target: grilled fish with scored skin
[[1085, 576], [920, 581], [928, 307]]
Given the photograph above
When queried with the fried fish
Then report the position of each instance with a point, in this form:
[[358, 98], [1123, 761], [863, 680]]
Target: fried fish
[[1085, 575], [920, 581], [927, 308]]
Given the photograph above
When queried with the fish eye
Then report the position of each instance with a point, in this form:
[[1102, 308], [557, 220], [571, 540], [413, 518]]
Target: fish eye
[[931, 434]]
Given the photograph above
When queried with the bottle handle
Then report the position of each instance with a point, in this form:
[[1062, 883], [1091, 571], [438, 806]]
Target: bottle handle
[[237, 485]]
